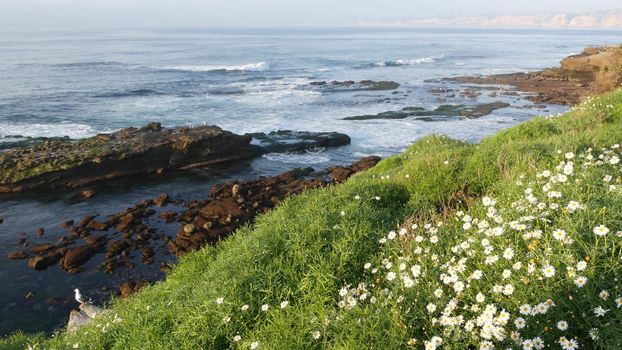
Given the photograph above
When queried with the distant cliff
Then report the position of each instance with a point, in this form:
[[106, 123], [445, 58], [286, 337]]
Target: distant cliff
[[609, 19]]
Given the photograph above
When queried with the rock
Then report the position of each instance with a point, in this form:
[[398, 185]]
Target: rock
[[235, 190], [162, 200], [41, 262], [578, 77], [1, 220], [442, 112], [42, 248], [77, 319], [87, 194], [233, 204], [131, 287], [18, 255], [66, 224], [188, 229], [90, 310], [39, 232], [298, 141], [76, 257], [168, 216], [116, 247], [97, 225], [64, 163]]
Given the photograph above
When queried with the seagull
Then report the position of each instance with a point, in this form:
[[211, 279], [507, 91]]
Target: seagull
[[79, 297]]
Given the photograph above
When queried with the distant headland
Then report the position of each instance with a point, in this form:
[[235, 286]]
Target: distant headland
[[605, 19]]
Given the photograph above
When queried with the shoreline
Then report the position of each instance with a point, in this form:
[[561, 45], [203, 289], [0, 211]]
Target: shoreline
[[84, 252]]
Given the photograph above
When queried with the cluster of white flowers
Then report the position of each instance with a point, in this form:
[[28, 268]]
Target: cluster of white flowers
[[467, 284]]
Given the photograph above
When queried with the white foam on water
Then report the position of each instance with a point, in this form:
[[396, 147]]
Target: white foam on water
[[282, 91], [409, 62], [251, 67], [72, 130], [302, 158]]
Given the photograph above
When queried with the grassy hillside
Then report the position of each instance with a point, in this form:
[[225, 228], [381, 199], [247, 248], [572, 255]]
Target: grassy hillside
[[392, 258]]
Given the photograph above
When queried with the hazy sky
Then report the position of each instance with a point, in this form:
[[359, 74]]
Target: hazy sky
[[262, 13]]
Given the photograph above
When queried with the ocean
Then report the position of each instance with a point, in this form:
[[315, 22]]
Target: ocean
[[78, 84]]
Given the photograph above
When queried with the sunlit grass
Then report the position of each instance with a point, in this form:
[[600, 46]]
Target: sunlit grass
[[297, 258]]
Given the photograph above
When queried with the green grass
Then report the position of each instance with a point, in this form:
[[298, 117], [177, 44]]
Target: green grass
[[316, 243]]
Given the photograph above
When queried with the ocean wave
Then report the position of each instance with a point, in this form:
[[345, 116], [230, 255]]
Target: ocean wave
[[251, 67], [73, 130], [402, 62], [304, 158]]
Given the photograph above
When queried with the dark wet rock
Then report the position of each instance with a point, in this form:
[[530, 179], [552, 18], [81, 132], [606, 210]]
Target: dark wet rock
[[440, 113], [76, 257], [97, 225], [17, 255], [351, 85], [86, 220], [162, 200], [64, 163], [66, 224], [299, 141], [87, 194], [41, 248], [41, 262], [132, 287], [168, 216], [339, 174], [39, 232], [234, 204], [1, 220], [116, 247]]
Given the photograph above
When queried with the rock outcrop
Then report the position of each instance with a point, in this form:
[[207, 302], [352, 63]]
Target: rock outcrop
[[58, 163], [442, 112], [595, 70], [298, 141], [351, 85], [64, 163], [82, 317]]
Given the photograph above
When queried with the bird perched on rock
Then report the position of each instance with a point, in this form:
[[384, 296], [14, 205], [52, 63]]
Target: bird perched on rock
[[80, 298]]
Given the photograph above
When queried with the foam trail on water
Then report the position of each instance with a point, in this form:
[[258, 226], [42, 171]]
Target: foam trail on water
[[306, 158], [409, 62], [251, 67], [72, 130]]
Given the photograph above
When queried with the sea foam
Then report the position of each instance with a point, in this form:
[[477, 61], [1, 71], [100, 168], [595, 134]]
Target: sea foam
[[251, 67], [408, 62], [72, 130]]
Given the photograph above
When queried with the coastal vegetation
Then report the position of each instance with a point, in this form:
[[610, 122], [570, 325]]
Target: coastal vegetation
[[514, 242]]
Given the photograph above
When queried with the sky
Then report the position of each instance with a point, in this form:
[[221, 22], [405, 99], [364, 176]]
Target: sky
[[65, 14]]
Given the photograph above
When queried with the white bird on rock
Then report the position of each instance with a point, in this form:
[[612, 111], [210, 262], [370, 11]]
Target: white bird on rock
[[79, 297]]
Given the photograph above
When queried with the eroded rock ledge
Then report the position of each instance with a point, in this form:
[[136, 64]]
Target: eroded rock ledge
[[595, 70], [64, 163]]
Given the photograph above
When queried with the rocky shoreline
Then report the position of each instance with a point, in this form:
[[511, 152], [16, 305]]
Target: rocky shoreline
[[595, 70], [135, 235], [61, 163]]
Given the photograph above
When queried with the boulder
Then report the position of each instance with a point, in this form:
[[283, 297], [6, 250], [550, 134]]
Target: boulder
[[76, 257], [298, 141]]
